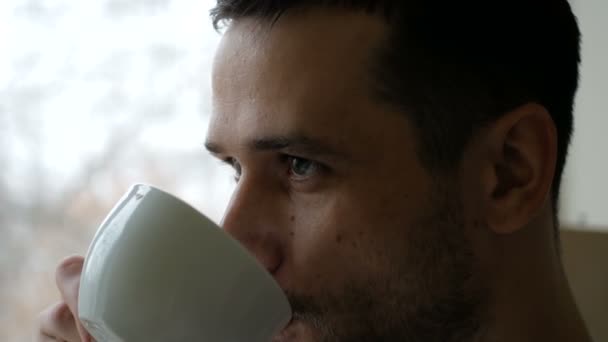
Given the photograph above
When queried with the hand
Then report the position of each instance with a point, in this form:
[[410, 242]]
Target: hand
[[60, 322]]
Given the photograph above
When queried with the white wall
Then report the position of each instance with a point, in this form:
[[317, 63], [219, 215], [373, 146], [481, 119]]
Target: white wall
[[585, 189]]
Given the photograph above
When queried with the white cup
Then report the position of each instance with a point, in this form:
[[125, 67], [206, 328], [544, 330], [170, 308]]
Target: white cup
[[158, 270]]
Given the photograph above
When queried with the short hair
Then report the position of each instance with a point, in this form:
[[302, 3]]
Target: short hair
[[455, 66]]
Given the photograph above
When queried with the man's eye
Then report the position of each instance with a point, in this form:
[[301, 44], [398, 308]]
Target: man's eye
[[302, 168]]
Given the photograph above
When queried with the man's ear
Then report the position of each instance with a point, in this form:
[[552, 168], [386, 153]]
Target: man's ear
[[521, 147]]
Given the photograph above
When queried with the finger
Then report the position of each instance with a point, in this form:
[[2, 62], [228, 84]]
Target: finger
[[68, 281], [57, 323]]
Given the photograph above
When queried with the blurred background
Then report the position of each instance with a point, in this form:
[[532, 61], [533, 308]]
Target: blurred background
[[96, 95]]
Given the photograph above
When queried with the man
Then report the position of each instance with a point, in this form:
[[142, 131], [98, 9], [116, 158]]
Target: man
[[398, 165]]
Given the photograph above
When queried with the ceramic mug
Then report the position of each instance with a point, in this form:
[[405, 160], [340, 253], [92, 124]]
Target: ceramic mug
[[159, 270]]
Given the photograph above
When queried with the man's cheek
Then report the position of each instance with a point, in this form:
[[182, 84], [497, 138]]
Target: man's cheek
[[324, 266]]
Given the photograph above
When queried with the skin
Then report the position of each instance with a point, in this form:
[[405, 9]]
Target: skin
[[333, 200]]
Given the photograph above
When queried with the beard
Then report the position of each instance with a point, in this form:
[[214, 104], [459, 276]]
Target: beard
[[424, 288]]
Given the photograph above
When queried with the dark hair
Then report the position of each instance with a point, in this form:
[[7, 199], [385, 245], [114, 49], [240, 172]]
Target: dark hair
[[454, 66]]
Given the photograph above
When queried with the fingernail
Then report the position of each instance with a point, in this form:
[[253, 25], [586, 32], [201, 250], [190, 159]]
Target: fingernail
[[70, 264], [71, 260]]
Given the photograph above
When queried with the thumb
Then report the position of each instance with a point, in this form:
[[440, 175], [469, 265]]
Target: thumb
[[67, 277]]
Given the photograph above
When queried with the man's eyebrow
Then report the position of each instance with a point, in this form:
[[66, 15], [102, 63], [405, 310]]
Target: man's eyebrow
[[290, 143]]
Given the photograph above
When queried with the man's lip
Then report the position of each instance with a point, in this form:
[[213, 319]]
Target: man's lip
[[291, 320], [283, 333]]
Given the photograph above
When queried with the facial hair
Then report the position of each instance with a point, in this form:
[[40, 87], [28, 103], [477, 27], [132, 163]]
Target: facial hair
[[427, 291]]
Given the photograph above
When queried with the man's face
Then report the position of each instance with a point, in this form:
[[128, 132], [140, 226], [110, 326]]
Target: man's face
[[331, 196]]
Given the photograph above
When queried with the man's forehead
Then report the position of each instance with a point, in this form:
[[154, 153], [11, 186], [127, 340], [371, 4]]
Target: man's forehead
[[315, 39], [351, 25], [306, 73]]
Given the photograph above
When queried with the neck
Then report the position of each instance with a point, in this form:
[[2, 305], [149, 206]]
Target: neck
[[530, 299]]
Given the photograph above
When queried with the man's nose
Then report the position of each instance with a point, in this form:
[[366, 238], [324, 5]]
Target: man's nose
[[252, 218]]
